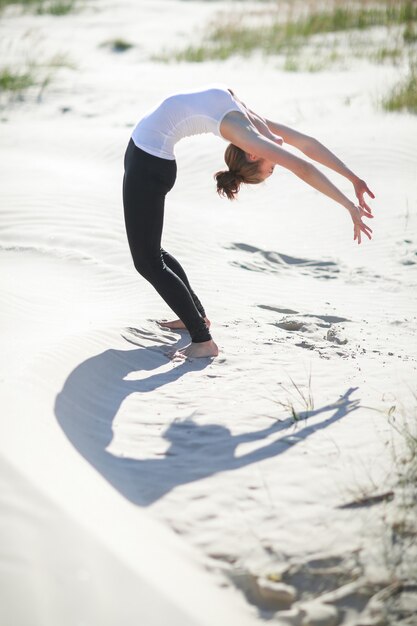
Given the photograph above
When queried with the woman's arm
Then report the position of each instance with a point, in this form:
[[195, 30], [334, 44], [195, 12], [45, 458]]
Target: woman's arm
[[318, 152], [310, 147], [259, 122], [261, 125], [239, 130]]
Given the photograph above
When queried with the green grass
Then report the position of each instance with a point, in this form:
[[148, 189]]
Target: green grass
[[296, 394], [56, 7], [15, 82], [406, 459], [234, 37], [402, 547], [41, 7], [312, 41], [388, 54], [404, 96], [410, 32], [4, 3], [117, 45]]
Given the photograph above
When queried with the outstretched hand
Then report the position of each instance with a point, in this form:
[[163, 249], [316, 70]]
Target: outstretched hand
[[363, 210], [357, 213], [361, 188]]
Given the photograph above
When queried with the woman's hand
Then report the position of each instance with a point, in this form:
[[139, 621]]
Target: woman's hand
[[277, 139], [357, 213], [360, 189]]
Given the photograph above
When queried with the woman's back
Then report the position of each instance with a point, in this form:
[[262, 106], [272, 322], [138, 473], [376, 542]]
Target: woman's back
[[183, 115]]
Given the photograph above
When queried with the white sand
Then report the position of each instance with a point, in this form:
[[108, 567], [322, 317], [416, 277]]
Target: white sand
[[108, 449]]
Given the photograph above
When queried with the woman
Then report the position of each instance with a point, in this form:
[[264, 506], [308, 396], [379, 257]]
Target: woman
[[255, 149]]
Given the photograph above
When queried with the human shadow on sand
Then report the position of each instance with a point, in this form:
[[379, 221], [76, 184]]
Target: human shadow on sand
[[94, 391]]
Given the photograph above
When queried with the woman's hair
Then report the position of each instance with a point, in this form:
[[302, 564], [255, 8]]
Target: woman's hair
[[241, 170]]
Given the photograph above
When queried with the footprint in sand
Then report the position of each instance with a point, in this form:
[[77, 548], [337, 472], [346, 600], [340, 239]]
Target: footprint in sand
[[309, 328], [316, 592], [291, 324], [334, 335], [141, 336]]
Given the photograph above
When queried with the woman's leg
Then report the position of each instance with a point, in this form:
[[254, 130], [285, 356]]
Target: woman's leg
[[146, 182], [178, 324], [175, 266]]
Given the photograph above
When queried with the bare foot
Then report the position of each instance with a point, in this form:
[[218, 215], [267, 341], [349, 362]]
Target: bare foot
[[178, 324], [196, 350]]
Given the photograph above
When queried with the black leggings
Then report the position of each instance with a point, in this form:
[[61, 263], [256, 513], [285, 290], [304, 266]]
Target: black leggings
[[147, 180]]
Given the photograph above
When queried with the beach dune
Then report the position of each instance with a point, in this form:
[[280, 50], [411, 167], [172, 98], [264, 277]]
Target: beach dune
[[140, 490]]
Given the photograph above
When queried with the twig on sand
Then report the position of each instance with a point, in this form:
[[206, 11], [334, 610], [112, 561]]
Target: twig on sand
[[368, 500]]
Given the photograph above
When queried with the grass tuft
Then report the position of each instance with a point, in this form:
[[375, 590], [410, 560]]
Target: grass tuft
[[403, 527], [42, 7], [296, 395], [410, 33], [117, 45], [14, 82], [57, 7], [4, 3], [310, 40], [38, 76], [404, 96], [234, 37]]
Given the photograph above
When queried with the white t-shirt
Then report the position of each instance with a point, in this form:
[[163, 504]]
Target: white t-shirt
[[182, 115]]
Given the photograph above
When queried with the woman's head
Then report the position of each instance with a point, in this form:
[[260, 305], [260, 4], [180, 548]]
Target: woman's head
[[243, 168]]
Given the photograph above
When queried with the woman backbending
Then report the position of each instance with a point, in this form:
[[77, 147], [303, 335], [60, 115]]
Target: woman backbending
[[255, 148]]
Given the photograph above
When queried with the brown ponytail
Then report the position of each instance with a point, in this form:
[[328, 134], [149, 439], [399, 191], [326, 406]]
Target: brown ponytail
[[241, 170]]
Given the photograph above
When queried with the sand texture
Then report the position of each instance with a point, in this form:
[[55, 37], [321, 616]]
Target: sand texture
[[257, 487]]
